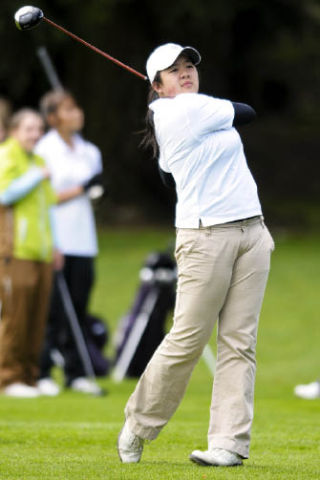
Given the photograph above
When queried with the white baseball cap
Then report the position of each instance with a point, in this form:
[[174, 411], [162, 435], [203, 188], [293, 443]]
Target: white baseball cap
[[165, 55]]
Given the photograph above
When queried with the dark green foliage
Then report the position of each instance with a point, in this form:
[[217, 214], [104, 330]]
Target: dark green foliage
[[262, 53]]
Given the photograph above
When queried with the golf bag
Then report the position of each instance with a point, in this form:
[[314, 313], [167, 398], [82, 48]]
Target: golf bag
[[143, 328], [89, 339], [97, 335]]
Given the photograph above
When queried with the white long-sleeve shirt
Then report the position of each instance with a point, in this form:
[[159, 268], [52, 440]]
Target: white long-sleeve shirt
[[204, 153], [69, 167]]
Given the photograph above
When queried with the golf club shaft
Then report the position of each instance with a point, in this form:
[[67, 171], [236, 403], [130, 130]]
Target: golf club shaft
[[75, 326], [49, 69], [95, 49]]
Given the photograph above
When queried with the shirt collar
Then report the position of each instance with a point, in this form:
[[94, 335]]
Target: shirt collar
[[77, 140]]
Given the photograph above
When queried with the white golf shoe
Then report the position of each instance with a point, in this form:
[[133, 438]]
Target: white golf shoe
[[84, 385], [310, 391], [216, 457], [130, 446], [21, 390], [48, 387]]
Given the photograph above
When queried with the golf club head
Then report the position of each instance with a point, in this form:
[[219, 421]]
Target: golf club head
[[28, 17]]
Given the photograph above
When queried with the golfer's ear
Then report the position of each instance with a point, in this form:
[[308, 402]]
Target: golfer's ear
[[157, 87]]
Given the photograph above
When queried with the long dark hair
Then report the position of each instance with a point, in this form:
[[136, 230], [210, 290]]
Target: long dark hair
[[149, 136]]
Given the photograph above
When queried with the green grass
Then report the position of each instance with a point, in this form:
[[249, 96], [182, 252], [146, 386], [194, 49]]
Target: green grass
[[74, 436]]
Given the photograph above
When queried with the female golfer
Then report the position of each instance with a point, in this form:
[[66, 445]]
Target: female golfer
[[223, 254]]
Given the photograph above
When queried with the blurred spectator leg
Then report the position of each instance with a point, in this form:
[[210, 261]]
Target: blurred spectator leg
[[38, 318]]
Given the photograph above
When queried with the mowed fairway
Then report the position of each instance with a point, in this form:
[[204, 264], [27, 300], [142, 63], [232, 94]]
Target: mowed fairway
[[74, 436]]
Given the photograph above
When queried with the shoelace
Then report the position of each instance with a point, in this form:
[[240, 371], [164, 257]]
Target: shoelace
[[224, 454], [136, 442]]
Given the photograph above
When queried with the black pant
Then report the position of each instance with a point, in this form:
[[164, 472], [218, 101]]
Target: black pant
[[79, 276]]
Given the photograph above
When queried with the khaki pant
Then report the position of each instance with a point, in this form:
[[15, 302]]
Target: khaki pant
[[25, 287], [222, 274]]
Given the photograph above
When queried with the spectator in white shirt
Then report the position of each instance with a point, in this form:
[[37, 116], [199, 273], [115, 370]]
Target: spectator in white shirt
[[223, 254], [74, 165]]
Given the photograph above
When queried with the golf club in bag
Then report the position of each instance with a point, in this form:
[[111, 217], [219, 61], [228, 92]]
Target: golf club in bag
[[143, 328], [76, 329], [49, 68]]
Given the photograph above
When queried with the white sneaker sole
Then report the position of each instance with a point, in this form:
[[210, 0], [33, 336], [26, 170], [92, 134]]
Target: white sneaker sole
[[203, 463]]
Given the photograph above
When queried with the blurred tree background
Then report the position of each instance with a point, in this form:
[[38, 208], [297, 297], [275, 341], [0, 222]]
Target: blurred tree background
[[262, 53]]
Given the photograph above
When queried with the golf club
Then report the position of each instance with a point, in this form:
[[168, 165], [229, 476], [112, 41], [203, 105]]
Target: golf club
[[49, 69], [76, 329], [29, 17]]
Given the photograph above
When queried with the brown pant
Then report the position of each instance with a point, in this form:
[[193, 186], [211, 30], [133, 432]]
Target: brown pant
[[25, 287], [222, 274]]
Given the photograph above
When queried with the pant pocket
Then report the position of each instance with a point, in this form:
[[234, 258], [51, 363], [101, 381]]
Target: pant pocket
[[186, 241], [269, 239]]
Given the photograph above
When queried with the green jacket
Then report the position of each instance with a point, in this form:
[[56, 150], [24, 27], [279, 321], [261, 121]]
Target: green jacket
[[32, 235]]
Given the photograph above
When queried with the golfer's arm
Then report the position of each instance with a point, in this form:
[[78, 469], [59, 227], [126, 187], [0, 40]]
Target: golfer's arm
[[243, 114]]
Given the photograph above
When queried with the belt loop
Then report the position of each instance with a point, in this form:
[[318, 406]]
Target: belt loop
[[262, 221]]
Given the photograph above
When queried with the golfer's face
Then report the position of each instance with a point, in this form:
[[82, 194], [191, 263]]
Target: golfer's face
[[29, 131], [181, 77]]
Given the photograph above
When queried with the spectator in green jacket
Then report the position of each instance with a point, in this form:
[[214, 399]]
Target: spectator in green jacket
[[27, 254]]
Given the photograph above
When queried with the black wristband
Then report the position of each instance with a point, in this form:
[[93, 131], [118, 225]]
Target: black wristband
[[95, 180]]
